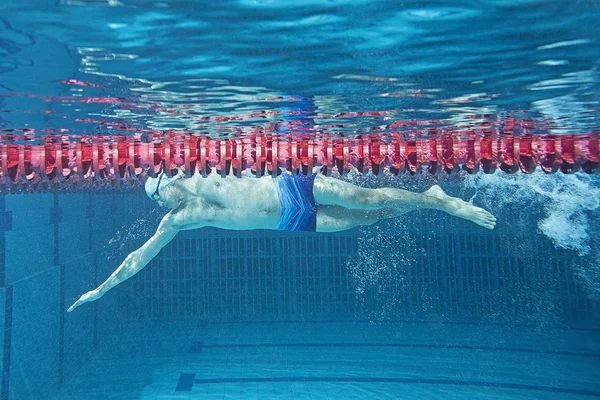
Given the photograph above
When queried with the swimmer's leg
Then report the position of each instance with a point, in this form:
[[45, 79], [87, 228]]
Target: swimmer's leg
[[335, 218], [134, 262], [331, 191]]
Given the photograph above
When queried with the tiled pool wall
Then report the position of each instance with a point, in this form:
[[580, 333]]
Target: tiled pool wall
[[50, 253], [425, 268]]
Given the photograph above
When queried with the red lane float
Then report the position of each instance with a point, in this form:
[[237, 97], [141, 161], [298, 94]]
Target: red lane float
[[65, 163]]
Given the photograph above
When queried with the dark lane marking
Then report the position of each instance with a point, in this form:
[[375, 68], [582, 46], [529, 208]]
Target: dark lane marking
[[8, 308], [5, 226], [184, 383], [56, 215], [195, 346]]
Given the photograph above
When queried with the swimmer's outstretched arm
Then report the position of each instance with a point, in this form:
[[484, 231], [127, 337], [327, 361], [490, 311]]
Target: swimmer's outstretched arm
[[135, 261]]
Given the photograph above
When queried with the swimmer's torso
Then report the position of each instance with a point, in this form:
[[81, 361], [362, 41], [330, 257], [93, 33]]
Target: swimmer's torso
[[230, 203]]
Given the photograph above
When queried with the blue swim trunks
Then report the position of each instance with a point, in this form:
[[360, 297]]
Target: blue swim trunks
[[298, 209]]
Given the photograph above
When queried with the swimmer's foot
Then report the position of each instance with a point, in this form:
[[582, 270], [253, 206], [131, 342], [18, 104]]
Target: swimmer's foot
[[462, 209], [86, 298]]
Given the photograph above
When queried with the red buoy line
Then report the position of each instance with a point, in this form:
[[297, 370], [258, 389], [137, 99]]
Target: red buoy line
[[67, 163]]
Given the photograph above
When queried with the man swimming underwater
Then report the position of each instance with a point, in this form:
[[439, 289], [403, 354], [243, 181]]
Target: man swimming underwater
[[284, 203]]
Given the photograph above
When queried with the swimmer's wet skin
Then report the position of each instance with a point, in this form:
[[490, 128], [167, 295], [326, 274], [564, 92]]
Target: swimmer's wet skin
[[315, 203], [462, 209]]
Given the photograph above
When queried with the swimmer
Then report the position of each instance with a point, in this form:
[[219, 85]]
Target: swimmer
[[292, 203]]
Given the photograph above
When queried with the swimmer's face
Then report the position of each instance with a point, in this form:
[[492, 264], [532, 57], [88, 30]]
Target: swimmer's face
[[164, 190], [169, 196]]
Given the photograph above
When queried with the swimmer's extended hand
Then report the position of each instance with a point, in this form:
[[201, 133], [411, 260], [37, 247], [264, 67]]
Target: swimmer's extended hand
[[85, 298], [134, 262]]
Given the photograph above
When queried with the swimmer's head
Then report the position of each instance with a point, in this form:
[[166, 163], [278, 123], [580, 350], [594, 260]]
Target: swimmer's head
[[155, 188]]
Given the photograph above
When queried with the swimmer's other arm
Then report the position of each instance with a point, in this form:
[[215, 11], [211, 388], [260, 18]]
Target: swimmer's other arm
[[134, 262]]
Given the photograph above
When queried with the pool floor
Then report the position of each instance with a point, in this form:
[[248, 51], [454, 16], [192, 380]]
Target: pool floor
[[339, 360]]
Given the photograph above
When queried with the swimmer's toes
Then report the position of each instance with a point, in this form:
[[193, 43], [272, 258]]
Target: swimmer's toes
[[484, 218], [486, 224], [490, 223]]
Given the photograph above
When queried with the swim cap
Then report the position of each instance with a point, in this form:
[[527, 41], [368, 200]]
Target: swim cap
[[153, 186]]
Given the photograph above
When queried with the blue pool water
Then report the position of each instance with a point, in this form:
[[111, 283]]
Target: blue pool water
[[421, 306]]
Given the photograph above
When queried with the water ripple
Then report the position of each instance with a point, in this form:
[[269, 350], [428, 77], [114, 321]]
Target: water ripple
[[352, 67]]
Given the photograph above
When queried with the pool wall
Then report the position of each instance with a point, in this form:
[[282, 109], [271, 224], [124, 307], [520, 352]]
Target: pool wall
[[49, 255]]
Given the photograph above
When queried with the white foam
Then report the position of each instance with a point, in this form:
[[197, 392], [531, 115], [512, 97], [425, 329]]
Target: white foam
[[567, 199]]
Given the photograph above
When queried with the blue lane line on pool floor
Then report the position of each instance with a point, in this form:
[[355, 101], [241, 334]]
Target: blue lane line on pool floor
[[184, 383], [197, 347]]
